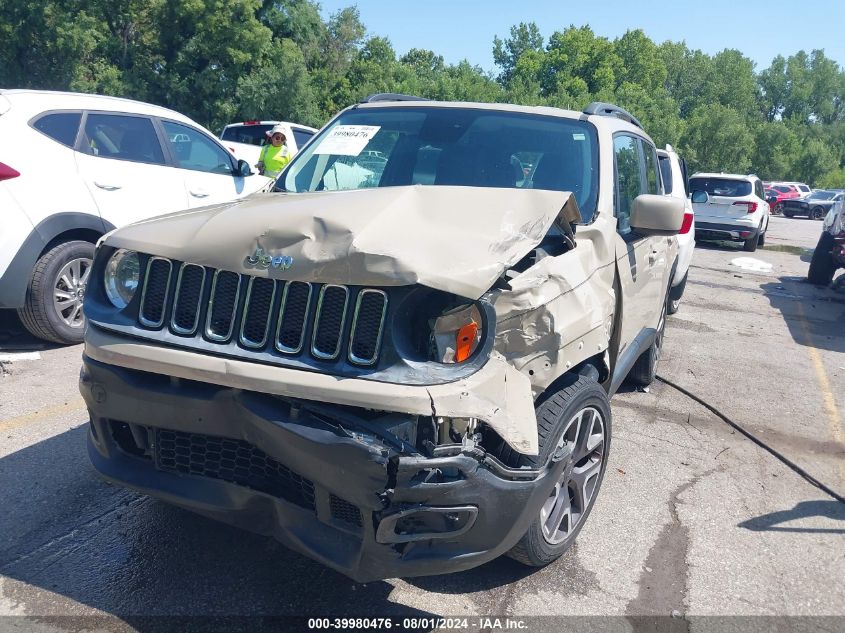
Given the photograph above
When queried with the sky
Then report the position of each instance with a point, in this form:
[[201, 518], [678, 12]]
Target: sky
[[464, 29]]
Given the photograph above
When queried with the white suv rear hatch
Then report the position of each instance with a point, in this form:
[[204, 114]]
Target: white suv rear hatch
[[728, 198]]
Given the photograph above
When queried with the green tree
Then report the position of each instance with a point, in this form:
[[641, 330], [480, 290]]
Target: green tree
[[776, 147], [279, 89], [524, 38], [578, 63], [814, 160], [642, 63], [717, 138]]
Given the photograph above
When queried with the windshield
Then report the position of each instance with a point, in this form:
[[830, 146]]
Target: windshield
[[727, 187], [821, 195], [390, 147], [253, 134]]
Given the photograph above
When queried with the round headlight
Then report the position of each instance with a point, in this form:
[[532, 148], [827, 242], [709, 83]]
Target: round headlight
[[121, 277], [455, 334]]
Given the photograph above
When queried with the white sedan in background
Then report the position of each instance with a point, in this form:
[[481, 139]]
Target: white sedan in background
[[674, 171], [245, 139]]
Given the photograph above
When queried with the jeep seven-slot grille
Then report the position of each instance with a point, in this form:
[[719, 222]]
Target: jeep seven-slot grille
[[231, 460], [287, 318]]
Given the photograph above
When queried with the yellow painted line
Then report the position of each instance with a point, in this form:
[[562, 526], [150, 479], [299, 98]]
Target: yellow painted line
[[834, 421], [42, 414]]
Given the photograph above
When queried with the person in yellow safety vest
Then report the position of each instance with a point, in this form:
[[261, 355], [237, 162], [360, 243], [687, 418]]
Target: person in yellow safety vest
[[275, 155]]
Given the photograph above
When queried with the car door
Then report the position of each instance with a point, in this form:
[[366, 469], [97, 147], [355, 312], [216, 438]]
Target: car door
[[208, 171], [120, 158], [640, 260]]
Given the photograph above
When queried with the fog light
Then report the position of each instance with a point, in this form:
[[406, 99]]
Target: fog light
[[426, 522]]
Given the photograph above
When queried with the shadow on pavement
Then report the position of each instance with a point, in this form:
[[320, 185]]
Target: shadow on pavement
[[70, 538], [14, 337], [813, 315], [804, 510], [733, 247]]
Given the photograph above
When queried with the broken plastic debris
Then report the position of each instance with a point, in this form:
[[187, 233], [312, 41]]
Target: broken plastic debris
[[750, 263]]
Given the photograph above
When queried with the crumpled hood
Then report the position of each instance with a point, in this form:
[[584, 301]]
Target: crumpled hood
[[456, 239]]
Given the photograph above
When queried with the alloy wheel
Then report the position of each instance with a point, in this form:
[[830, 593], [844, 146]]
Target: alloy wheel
[[69, 290], [571, 497]]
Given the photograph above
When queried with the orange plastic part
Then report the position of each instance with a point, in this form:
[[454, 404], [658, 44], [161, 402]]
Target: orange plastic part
[[464, 341]]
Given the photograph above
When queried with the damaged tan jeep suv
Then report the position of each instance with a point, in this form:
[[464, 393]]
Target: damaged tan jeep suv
[[399, 361]]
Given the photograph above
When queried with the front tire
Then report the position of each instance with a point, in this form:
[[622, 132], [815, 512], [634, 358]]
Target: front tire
[[53, 307], [577, 415], [817, 213], [822, 266]]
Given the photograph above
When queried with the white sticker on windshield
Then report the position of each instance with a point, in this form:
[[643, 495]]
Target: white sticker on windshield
[[347, 140]]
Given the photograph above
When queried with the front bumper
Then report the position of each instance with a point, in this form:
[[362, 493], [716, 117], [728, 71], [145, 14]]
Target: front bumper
[[717, 231], [355, 503], [497, 394]]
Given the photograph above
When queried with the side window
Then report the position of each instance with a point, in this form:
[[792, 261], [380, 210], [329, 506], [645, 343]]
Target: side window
[[122, 137], [758, 189], [628, 178], [652, 175], [192, 149], [60, 126], [301, 137], [666, 172]]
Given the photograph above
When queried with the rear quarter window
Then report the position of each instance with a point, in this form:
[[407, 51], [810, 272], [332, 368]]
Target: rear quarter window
[[666, 172], [59, 126], [301, 137]]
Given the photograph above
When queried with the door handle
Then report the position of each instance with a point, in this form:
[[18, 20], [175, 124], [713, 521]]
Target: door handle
[[106, 186], [199, 193]]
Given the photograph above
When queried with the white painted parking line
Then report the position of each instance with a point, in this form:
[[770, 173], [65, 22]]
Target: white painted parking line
[[14, 358]]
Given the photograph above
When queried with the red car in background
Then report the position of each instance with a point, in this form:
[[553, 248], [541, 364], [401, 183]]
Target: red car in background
[[780, 193]]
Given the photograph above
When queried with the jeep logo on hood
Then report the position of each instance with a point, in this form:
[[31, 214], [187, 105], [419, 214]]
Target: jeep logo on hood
[[262, 260]]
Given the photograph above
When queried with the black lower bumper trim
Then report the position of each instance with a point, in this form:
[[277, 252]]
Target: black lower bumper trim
[[714, 231], [375, 512]]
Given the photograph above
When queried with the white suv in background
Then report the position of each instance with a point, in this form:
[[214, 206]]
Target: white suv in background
[[75, 166], [730, 207], [245, 139], [673, 169]]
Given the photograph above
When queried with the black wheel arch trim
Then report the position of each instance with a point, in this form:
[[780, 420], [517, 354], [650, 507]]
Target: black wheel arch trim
[[15, 280], [629, 356]]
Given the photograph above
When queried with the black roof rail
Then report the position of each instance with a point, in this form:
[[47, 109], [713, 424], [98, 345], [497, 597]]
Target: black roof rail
[[391, 96], [608, 109]]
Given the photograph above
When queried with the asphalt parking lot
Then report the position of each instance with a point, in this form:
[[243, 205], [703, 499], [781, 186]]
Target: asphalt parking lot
[[693, 518]]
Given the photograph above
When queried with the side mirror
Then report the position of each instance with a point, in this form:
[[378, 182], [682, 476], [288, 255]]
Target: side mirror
[[700, 197], [243, 170], [657, 215], [772, 200]]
